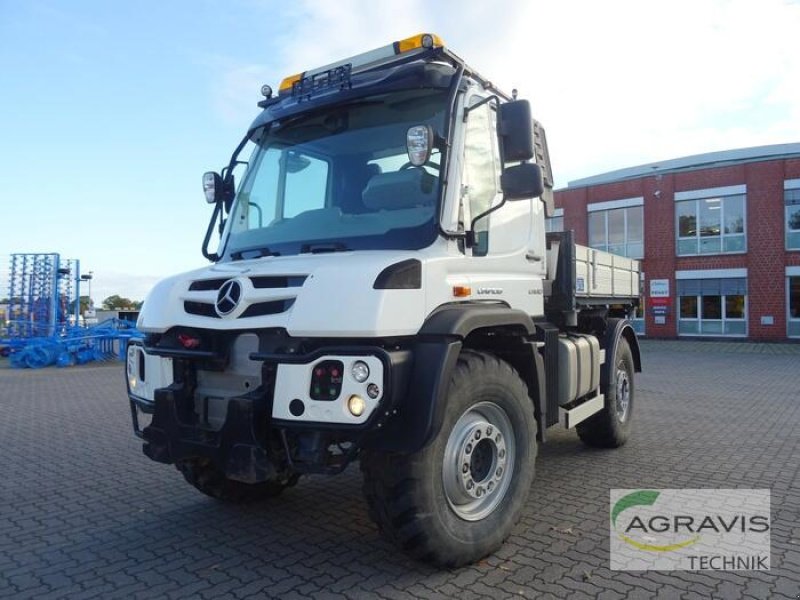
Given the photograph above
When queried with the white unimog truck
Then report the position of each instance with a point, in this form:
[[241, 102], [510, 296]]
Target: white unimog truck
[[383, 290]]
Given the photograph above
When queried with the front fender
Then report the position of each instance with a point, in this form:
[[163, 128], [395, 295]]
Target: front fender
[[436, 352]]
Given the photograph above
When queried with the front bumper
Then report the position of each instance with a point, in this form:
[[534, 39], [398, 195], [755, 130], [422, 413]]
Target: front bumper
[[260, 430]]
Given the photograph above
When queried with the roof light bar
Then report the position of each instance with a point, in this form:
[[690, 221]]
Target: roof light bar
[[417, 42]]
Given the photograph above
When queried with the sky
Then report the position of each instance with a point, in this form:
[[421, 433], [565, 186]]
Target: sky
[[110, 112]]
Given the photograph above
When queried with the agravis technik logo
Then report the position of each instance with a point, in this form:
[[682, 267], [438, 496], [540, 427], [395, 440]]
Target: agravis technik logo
[[645, 498], [690, 529]]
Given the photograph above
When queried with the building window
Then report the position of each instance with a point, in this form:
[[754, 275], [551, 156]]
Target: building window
[[712, 306], [792, 200], [711, 225], [556, 222], [481, 169], [618, 230], [793, 291]]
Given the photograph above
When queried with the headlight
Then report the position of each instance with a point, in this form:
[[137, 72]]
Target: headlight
[[133, 355], [356, 405], [360, 371]]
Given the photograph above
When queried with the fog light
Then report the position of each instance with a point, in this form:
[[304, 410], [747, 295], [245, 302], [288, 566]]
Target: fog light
[[189, 342], [356, 405], [360, 371], [373, 391]]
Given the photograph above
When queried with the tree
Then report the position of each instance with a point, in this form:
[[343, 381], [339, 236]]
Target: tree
[[117, 302], [86, 303]]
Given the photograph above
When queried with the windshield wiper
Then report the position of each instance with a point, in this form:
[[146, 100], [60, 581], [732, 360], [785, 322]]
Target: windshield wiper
[[254, 252], [319, 248]]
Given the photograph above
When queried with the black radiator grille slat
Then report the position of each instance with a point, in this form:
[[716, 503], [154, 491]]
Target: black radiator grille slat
[[205, 285], [267, 308], [200, 308], [277, 281]]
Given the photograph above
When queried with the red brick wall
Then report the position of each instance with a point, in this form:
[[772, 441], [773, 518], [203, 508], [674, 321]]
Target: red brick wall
[[766, 273], [766, 257]]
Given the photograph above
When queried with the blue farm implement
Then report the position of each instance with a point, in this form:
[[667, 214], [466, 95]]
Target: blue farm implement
[[44, 316]]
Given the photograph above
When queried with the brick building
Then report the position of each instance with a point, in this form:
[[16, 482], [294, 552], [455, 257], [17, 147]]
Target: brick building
[[719, 235]]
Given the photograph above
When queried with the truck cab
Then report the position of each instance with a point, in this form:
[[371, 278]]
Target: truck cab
[[383, 291]]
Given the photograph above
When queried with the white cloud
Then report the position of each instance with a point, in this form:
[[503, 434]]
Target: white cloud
[[316, 33], [615, 83], [622, 83]]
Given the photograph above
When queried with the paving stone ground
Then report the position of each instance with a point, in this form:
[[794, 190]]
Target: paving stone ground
[[83, 514]]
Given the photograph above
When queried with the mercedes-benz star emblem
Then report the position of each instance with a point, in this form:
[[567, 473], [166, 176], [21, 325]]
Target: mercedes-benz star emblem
[[228, 297]]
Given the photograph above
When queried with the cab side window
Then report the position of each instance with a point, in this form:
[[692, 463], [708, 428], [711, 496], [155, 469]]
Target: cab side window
[[481, 170]]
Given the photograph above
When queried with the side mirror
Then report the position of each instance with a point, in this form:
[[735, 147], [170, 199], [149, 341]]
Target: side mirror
[[219, 189], [212, 187], [419, 144], [521, 182], [516, 131]]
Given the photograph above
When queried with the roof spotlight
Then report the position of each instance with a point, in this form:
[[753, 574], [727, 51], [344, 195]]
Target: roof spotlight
[[266, 91], [427, 40]]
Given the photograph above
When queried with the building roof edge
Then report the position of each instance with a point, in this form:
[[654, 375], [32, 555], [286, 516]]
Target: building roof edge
[[695, 161]]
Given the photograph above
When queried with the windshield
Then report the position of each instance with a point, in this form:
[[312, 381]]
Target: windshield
[[340, 179]]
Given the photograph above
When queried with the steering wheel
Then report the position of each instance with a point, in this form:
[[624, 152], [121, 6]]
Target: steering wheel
[[408, 165]]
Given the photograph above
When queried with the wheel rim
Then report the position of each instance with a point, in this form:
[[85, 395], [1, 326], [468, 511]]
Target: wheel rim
[[623, 396], [478, 461]]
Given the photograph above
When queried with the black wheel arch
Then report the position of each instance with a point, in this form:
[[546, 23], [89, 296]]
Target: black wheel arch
[[617, 329], [493, 328]]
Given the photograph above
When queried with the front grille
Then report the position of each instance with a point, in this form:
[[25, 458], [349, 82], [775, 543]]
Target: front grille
[[204, 306], [260, 309], [261, 282]]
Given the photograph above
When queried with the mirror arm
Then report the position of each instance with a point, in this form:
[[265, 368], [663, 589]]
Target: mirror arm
[[212, 256], [468, 109], [470, 235]]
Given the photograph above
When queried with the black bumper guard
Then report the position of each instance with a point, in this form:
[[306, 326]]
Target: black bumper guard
[[235, 448]]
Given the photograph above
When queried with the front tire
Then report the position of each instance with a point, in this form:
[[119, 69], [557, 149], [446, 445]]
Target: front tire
[[207, 478], [611, 427], [457, 499]]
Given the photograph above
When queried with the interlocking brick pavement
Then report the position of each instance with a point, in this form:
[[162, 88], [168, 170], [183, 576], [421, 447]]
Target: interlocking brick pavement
[[83, 514]]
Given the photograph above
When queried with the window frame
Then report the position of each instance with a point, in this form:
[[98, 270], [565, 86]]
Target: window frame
[[558, 215], [604, 212], [721, 237], [789, 319], [723, 320], [795, 207]]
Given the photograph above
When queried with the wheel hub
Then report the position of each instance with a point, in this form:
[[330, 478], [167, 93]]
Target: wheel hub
[[478, 461], [623, 396]]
